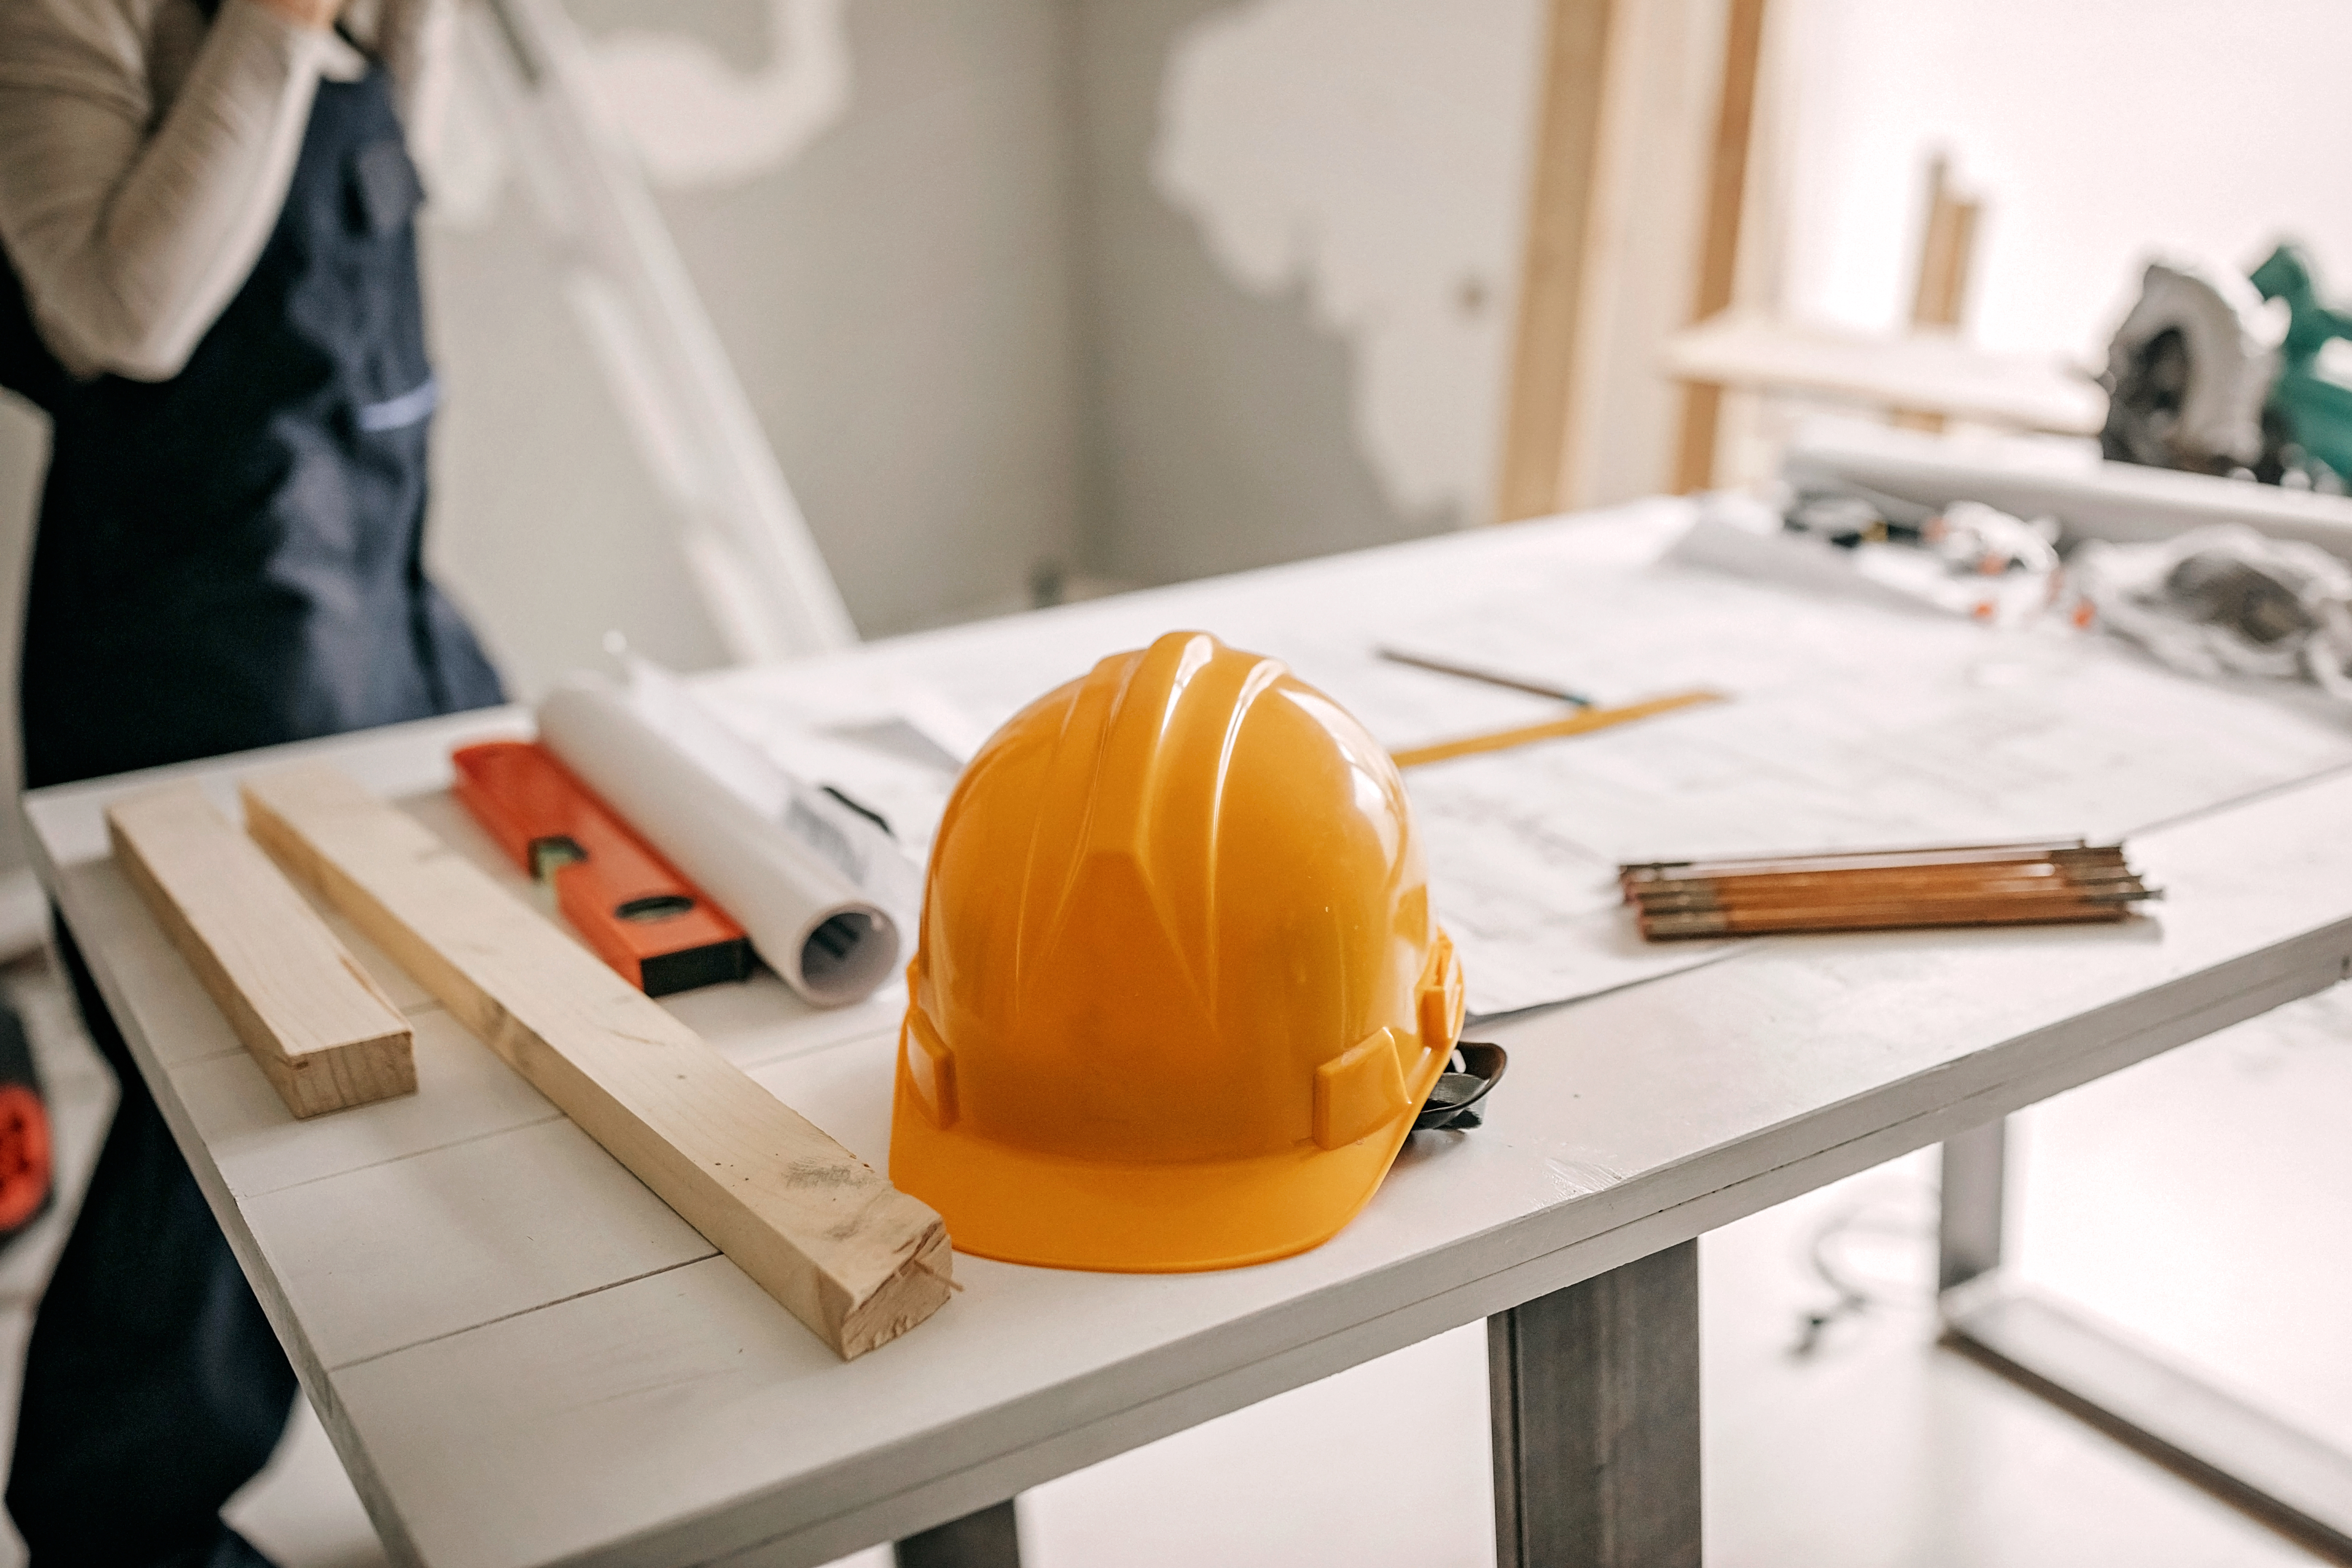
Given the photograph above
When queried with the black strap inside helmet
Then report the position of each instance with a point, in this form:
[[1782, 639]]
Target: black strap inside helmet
[[1474, 1070]]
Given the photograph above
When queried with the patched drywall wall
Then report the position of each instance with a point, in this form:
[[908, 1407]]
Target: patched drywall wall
[[1380, 170], [1300, 240]]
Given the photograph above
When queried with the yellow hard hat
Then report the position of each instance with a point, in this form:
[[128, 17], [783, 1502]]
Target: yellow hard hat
[[1178, 995]]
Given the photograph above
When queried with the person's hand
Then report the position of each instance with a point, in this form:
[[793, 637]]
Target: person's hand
[[318, 15]]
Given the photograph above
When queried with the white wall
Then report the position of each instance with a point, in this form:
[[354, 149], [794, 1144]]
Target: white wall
[[892, 278], [2095, 130]]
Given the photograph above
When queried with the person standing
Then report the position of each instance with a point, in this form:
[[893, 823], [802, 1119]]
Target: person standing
[[210, 205]]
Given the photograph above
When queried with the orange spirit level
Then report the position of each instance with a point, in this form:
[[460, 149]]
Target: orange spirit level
[[628, 903]]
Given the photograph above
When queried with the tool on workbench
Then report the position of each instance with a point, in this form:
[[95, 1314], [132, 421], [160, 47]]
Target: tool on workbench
[[1583, 722], [2040, 882], [809, 1223], [819, 885], [2201, 376], [1490, 677], [2224, 600], [1586, 718], [1180, 994], [630, 905]]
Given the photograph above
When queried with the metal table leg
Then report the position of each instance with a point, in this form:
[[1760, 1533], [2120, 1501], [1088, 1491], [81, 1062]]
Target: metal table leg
[[2289, 1479], [1594, 1391], [1967, 1236], [988, 1539]]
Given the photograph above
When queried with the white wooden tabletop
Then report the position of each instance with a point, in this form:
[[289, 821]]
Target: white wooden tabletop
[[525, 1358]]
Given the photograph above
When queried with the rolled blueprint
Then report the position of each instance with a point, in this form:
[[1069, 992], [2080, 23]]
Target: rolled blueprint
[[821, 890]]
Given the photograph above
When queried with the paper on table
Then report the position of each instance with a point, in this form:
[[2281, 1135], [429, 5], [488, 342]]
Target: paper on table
[[1851, 726], [1854, 727], [827, 901]]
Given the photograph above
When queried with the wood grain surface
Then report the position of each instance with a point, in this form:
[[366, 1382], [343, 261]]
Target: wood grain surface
[[851, 1257], [322, 1030]]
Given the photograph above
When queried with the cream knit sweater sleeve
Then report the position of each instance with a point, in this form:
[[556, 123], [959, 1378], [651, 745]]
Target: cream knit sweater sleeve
[[144, 158]]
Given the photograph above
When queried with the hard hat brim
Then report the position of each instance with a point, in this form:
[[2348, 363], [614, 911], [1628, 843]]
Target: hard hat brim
[[1018, 1206]]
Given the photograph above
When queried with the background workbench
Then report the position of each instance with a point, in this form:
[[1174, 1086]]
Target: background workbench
[[525, 1358]]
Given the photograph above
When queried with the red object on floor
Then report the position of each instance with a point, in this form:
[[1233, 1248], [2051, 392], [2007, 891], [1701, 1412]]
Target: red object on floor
[[25, 1164]]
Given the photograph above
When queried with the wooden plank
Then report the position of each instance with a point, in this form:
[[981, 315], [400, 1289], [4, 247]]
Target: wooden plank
[[853, 1258], [1595, 1395], [1947, 247], [1553, 278], [1743, 46], [2289, 1479], [1926, 370], [322, 1030]]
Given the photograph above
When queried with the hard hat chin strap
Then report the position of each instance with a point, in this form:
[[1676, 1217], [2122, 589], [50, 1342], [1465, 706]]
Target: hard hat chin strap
[[1474, 1070]]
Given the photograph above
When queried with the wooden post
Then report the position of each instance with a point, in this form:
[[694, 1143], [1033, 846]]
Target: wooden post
[[1552, 277], [1595, 1397], [1946, 249], [1726, 191]]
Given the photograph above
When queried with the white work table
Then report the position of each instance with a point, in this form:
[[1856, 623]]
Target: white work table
[[525, 1358]]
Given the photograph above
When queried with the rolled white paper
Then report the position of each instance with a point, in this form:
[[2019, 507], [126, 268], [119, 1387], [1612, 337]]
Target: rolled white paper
[[813, 893]]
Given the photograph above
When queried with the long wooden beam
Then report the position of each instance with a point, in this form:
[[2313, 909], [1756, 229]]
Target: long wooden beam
[[828, 1236], [1552, 277], [1743, 46]]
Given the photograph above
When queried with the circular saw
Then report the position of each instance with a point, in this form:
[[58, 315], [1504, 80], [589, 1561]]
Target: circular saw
[[2222, 374]]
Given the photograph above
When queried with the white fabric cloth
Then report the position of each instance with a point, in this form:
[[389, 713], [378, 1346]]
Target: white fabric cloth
[[144, 155], [2227, 601]]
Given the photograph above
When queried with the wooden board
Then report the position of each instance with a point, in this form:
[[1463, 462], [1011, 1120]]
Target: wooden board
[[319, 1026], [1946, 249], [1552, 277], [1937, 373], [1735, 122], [853, 1258]]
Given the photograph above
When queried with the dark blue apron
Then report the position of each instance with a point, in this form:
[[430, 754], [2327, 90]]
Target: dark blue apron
[[225, 560], [234, 558]]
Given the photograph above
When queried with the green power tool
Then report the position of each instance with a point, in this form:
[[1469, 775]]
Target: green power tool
[[2308, 418], [2207, 373]]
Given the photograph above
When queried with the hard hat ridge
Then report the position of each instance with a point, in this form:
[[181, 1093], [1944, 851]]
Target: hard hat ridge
[[1125, 769], [1179, 992]]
